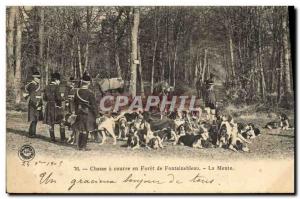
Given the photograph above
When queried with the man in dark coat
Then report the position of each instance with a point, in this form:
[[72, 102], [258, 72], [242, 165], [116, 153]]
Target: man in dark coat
[[34, 103], [210, 98], [53, 110], [86, 111]]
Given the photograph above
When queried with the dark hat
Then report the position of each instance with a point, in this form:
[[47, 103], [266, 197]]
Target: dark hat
[[86, 77], [36, 74], [55, 76], [209, 82], [114, 113], [85, 73]]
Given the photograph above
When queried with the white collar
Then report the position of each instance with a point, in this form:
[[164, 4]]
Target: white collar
[[34, 82], [53, 83], [84, 87]]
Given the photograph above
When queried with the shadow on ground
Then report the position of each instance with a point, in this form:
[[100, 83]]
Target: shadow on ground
[[40, 137], [281, 135]]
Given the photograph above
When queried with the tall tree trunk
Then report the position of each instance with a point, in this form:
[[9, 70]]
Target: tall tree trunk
[[134, 53], [186, 71], [162, 67], [88, 19], [153, 66], [262, 77], [117, 60], [155, 40], [73, 66], [168, 48], [260, 65], [200, 66], [170, 66], [286, 53], [128, 42], [196, 68], [273, 67], [62, 59], [164, 55], [41, 46], [226, 66], [232, 61], [116, 47], [47, 62], [10, 48], [208, 69], [174, 64], [17, 79], [79, 57], [140, 69], [35, 33], [191, 74], [280, 78], [86, 56], [204, 65], [240, 58]]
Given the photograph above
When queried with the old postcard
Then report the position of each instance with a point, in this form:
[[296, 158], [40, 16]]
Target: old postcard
[[119, 99]]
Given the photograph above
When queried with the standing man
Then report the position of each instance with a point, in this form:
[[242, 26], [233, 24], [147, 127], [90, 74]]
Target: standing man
[[210, 98], [86, 111], [53, 111], [35, 103]]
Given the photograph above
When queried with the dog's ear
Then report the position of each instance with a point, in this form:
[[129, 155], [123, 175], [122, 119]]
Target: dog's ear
[[150, 119], [251, 125]]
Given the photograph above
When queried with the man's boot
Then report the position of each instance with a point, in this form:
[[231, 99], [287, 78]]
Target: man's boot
[[75, 137], [32, 129], [79, 141], [52, 135], [62, 134], [84, 143]]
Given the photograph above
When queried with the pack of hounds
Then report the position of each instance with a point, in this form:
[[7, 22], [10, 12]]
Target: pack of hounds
[[145, 129]]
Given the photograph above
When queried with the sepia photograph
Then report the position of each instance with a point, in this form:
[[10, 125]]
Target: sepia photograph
[[150, 99]]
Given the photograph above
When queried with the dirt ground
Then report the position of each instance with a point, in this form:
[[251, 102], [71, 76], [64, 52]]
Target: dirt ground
[[272, 144]]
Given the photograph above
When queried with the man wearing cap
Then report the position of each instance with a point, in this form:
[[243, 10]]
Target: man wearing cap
[[53, 110], [86, 111], [34, 103]]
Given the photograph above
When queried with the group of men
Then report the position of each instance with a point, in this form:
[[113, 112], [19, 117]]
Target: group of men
[[47, 105]]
